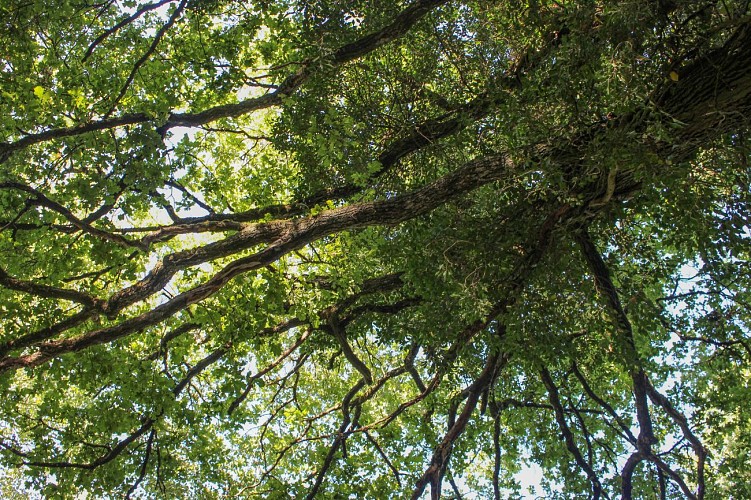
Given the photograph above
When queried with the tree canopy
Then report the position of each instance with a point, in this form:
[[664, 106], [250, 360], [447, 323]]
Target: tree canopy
[[375, 249]]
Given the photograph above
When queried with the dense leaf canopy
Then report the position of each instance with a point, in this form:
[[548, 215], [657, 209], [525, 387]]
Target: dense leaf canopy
[[375, 248]]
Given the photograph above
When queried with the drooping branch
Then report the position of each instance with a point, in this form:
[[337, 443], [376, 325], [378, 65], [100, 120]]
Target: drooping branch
[[665, 468], [604, 404], [535, 250], [336, 325], [434, 473], [198, 368], [568, 436], [627, 474], [171, 335], [680, 419], [409, 364], [207, 361]]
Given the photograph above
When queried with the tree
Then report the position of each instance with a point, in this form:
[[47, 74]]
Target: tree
[[375, 249]]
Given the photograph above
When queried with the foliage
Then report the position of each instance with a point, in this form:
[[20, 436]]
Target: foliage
[[373, 249]]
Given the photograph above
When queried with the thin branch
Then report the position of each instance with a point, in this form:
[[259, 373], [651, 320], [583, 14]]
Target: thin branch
[[154, 43], [385, 457], [171, 335], [190, 195], [338, 441], [497, 456], [249, 381], [457, 493], [147, 424], [588, 389], [433, 474], [146, 8], [41, 200], [680, 419], [45, 291], [674, 476], [568, 436], [144, 464], [207, 361]]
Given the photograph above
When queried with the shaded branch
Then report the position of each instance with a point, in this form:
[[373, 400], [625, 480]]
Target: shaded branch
[[609, 409], [144, 464], [338, 441], [568, 436], [626, 344], [627, 474], [497, 456], [438, 463], [341, 337], [674, 476]]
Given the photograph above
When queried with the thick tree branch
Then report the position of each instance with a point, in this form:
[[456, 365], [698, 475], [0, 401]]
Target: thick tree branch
[[340, 335], [288, 236], [402, 23], [626, 344]]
